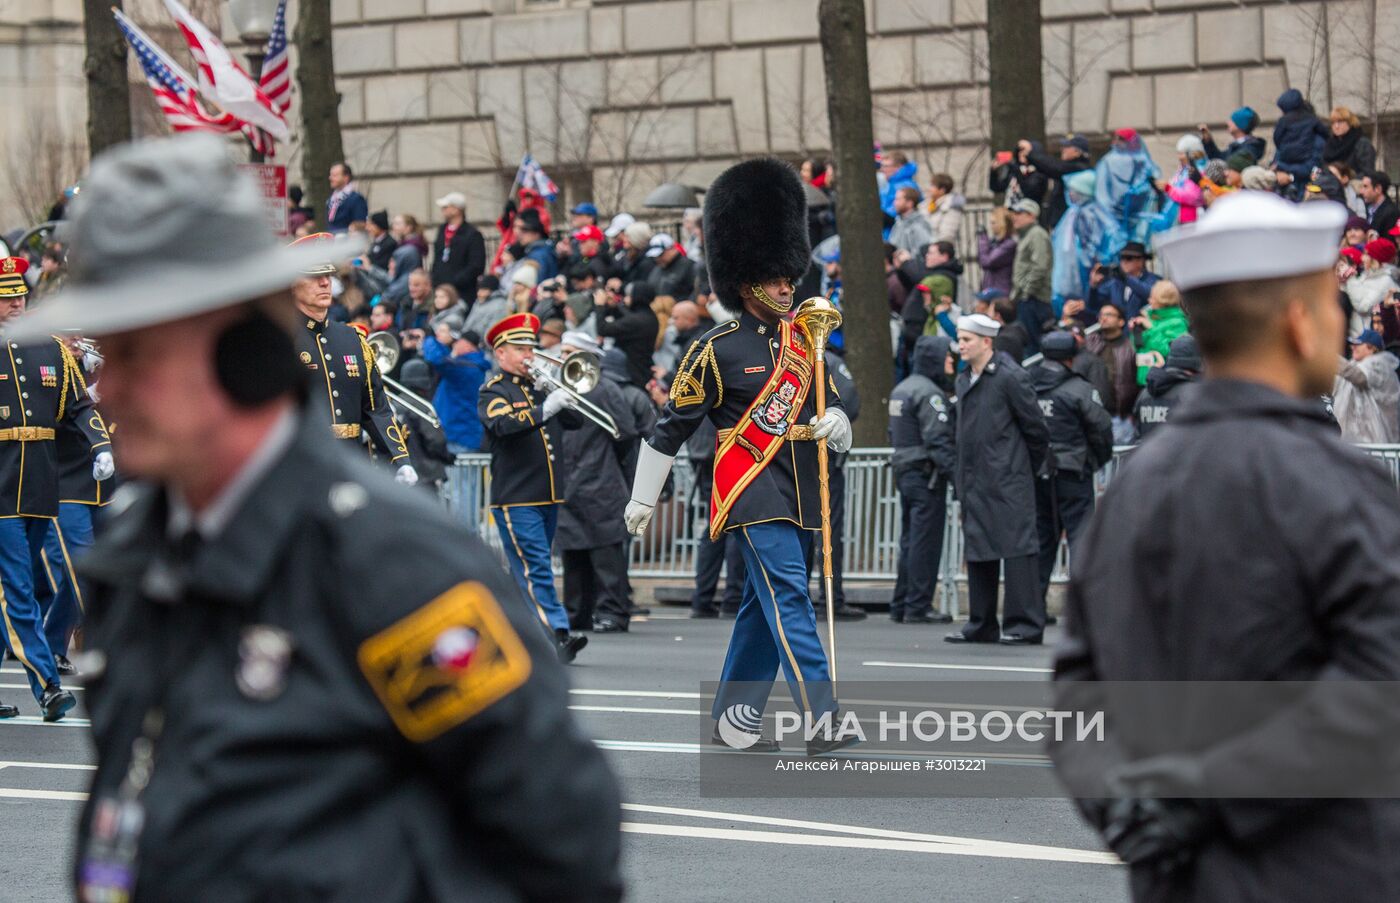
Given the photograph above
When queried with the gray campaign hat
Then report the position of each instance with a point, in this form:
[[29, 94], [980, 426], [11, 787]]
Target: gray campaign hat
[[164, 230]]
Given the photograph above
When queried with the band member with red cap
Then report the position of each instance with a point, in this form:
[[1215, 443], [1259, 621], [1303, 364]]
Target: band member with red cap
[[522, 425], [38, 396], [345, 382]]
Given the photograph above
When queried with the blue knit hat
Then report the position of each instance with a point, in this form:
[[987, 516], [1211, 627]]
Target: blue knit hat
[[1245, 119], [1290, 100]]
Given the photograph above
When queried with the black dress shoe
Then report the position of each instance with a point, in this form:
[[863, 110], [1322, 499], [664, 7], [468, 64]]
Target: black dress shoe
[[56, 702], [821, 746], [849, 613], [701, 614], [640, 611], [64, 666], [964, 638], [608, 625], [1012, 639], [8, 711], [897, 617], [761, 745], [569, 645], [1051, 619], [927, 617]]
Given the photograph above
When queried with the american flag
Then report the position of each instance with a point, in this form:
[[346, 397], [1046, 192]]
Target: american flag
[[173, 87], [221, 77], [532, 175], [276, 79]]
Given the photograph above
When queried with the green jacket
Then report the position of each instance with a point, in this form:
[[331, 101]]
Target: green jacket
[[1030, 272], [1167, 324]]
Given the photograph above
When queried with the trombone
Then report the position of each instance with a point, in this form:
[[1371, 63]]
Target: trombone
[[577, 374], [386, 357]]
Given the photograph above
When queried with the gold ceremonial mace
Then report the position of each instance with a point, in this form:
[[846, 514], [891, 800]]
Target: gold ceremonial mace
[[819, 318]]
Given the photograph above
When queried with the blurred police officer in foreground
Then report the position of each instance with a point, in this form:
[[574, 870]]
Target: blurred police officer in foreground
[[925, 459], [281, 713], [1002, 447], [1168, 385], [1081, 442], [1246, 541]]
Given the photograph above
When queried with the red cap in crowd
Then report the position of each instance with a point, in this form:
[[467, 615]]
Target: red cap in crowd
[[1126, 134], [589, 233], [1380, 250], [1353, 255]]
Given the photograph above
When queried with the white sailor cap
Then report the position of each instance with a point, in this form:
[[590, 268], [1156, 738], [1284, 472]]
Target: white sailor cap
[[979, 324], [1250, 235]]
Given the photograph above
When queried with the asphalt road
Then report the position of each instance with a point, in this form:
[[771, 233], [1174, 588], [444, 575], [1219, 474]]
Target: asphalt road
[[638, 695]]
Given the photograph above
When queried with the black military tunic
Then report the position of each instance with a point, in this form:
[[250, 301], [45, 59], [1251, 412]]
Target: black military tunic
[[40, 392], [1247, 542], [721, 375], [339, 725], [523, 444], [346, 387], [75, 481]]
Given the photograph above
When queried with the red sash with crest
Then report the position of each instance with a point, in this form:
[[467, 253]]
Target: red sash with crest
[[763, 429]]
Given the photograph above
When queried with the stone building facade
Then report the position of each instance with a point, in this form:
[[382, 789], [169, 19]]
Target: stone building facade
[[615, 96]]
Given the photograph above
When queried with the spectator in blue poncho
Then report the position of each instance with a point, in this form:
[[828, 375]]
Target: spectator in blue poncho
[[1087, 234], [1125, 185]]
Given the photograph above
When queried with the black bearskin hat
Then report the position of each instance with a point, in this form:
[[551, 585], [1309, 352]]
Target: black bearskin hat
[[755, 227]]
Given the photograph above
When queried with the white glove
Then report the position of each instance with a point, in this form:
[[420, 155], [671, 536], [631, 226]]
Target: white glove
[[834, 428], [557, 401], [103, 467], [652, 469], [638, 517], [407, 475]]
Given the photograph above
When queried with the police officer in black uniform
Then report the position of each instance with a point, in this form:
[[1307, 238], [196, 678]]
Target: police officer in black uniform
[[280, 711], [38, 397], [345, 381], [1246, 542], [1081, 442], [924, 437], [1168, 385]]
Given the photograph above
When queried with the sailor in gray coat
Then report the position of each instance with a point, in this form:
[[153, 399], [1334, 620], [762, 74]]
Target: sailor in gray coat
[[1246, 542], [1002, 446]]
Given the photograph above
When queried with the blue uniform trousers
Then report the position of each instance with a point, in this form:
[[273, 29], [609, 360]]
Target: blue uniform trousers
[[776, 625], [57, 589], [21, 545], [527, 532]]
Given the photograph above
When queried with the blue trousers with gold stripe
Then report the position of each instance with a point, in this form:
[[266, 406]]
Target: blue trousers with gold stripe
[[59, 592], [527, 532], [776, 627], [21, 544]]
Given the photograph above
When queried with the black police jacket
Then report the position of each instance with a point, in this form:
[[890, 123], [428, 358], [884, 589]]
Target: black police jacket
[[1081, 430], [347, 389], [1166, 388], [524, 446], [1002, 446], [406, 741], [41, 394], [923, 430], [1247, 542], [727, 368]]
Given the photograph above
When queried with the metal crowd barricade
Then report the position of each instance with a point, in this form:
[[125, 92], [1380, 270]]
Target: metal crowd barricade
[[871, 535]]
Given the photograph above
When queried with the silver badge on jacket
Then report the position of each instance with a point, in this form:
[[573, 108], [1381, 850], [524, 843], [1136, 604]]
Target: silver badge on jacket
[[264, 656]]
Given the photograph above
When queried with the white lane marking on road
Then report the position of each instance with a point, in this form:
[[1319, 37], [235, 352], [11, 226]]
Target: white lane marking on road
[[938, 667], [60, 766], [963, 846], [26, 687], [36, 721], [633, 710], [639, 694], [65, 795]]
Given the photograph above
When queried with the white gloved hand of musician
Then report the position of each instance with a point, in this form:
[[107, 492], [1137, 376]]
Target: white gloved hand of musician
[[834, 428], [557, 401], [103, 466], [637, 517], [406, 475], [652, 469]]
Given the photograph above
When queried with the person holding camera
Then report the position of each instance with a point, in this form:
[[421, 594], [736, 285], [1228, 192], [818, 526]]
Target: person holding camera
[[1126, 286]]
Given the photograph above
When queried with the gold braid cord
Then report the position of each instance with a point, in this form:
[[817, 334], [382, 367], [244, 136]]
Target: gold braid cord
[[70, 371], [368, 352], [689, 386]]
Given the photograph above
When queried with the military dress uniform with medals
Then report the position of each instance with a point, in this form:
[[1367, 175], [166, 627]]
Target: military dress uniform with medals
[[37, 398], [523, 436], [754, 381], [346, 386]]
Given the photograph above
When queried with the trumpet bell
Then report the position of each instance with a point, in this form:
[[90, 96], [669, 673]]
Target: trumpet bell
[[580, 372], [386, 351]]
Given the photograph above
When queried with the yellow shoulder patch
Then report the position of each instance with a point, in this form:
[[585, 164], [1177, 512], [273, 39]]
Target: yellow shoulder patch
[[446, 662], [498, 407]]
